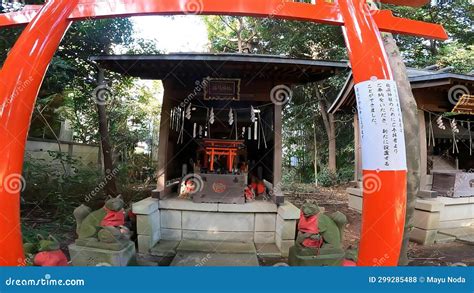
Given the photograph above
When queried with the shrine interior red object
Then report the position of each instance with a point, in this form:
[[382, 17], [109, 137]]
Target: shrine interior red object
[[219, 147]]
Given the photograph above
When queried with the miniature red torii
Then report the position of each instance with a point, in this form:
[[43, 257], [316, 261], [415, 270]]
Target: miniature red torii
[[384, 163]]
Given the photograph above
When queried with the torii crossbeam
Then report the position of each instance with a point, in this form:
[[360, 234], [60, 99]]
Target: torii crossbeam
[[380, 117]]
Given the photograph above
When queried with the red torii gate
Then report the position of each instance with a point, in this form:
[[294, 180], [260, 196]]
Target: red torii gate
[[382, 131]]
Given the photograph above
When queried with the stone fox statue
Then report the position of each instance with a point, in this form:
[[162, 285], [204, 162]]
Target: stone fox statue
[[105, 225], [317, 229]]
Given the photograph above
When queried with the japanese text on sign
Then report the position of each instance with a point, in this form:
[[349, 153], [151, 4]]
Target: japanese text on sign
[[381, 125]]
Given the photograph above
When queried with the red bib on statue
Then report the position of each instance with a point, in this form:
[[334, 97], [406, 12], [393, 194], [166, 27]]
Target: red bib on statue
[[113, 218]]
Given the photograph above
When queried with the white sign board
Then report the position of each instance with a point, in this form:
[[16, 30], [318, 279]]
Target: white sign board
[[381, 125]]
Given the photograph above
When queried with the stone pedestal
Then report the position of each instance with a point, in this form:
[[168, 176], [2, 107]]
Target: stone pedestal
[[285, 233], [83, 256], [148, 224]]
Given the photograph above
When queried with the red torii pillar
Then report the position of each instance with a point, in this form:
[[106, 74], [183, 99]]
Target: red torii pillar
[[383, 136]]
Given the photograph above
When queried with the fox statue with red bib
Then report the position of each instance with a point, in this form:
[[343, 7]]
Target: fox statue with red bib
[[103, 228], [319, 240]]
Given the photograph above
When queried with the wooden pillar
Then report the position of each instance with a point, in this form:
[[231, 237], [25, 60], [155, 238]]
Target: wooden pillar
[[423, 150], [161, 190], [277, 155]]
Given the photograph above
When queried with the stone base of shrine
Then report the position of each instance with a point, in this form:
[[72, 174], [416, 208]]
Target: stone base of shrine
[[175, 219], [433, 217], [83, 256]]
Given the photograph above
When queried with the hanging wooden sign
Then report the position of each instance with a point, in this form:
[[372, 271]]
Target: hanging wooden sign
[[222, 89]]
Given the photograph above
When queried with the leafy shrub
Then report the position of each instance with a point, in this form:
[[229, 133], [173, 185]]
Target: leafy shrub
[[57, 185], [327, 178]]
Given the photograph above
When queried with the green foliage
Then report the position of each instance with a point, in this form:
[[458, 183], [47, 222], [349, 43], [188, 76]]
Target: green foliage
[[456, 17], [343, 175], [327, 178], [58, 184], [302, 119]]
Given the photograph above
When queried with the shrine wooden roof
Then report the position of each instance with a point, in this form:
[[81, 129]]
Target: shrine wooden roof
[[431, 90], [193, 66]]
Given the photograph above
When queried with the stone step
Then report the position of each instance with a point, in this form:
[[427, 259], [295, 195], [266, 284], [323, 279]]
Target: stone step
[[207, 259], [165, 248], [458, 232], [222, 247], [468, 239], [267, 250], [443, 238]]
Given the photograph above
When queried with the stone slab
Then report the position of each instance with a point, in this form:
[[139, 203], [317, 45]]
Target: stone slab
[[453, 201], [443, 238], [283, 245], [422, 236], [143, 261], [171, 234], [149, 224], [468, 239], [426, 220], [187, 205], [145, 206], [165, 248], [457, 212], [456, 224], [267, 250], [355, 203], [199, 259], [216, 247], [86, 256], [228, 222], [95, 243], [286, 228], [458, 232], [429, 205], [264, 237], [170, 219], [265, 222], [355, 191], [288, 211], [251, 207], [247, 237], [427, 194], [145, 242]]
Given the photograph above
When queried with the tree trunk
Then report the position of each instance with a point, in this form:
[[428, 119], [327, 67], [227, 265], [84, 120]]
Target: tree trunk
[[330, 127], [239, 35], [315, 156], [411, 125], [110, 185]]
